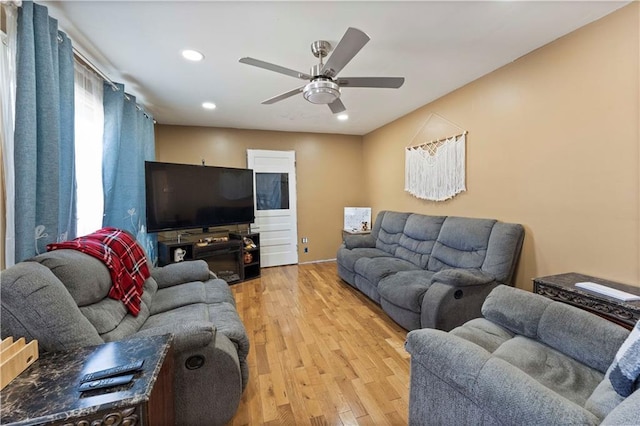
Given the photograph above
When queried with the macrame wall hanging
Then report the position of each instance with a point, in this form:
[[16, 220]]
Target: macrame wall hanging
[[435, 170]]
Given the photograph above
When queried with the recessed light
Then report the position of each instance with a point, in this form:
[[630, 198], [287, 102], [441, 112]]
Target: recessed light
[[208, 105], [343, 117], [192, 55]]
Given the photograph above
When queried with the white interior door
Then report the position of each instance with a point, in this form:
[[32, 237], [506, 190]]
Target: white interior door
[[274, 184]]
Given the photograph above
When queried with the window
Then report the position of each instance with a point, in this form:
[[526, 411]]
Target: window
[[89, 125], [272, 191]]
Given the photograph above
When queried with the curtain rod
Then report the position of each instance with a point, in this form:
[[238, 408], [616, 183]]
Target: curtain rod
[[95, 69], [437, 140], [103, 76]]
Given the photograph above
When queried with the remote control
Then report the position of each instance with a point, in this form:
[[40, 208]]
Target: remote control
[[105, 383], [113, 371]]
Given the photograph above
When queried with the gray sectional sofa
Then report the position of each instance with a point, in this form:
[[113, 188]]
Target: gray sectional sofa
[[529, 361], [430, 271], [60, 299]]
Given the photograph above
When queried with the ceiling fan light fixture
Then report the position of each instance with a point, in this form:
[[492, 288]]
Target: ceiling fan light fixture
[[321, 91]]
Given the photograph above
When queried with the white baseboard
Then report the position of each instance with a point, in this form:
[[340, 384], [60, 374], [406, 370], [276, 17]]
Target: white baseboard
[[317, 261]]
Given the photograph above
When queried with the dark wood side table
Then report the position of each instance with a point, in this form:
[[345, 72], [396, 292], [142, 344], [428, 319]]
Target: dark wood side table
[[562, 288], [47, 393]]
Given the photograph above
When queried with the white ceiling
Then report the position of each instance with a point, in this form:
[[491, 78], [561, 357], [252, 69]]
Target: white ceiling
[[436, 46]]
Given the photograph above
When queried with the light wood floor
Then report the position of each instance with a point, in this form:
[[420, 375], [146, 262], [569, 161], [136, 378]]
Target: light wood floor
[[321, 352]]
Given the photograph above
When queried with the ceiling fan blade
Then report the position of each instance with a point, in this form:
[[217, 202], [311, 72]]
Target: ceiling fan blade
[[350, 44], [337, 106], [282, 96], [273, 67], [381, 82]]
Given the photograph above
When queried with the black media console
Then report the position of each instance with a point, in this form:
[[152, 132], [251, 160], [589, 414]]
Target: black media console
[[228, 257]]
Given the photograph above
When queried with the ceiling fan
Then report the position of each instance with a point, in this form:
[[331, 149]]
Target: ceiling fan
[[324, 85]]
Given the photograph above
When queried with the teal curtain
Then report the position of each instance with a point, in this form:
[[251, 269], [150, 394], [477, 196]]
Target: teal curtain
[[44, 133], [128, 142]]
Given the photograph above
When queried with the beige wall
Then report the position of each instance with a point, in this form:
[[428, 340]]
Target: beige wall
[[552, 144], [328, 167]]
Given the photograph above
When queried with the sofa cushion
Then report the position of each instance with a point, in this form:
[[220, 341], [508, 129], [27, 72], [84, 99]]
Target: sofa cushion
[[554, 370], [375, 269], [418, 238], [211, 291], [36, 305], [223, 316], [86, 277], [348, 258], [516, 310], [604, 398], [483, 333], [406, 289], [390, 231], [111, 318], [462, 243], [576, 332]]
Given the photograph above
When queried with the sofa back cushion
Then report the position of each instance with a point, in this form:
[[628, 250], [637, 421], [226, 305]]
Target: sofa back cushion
[[505, 244], [36, 305], [128, 325], [390, 231], [462, 243], [86, 278], [375, 228], [88, 281], [418, 238], [574, 332]]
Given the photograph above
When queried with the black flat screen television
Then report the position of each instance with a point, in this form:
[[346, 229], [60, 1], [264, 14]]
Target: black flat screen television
[[184, 196]]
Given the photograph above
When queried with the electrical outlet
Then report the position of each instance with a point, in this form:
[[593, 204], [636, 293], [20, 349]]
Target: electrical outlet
[[305, 240], [306, 249]]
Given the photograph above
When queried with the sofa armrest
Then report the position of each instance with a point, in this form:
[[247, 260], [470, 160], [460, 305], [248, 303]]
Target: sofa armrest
[[462, 277], [453, 359], [455, 297], [208, 380], [359, 241], [187, 336], [445, 306], [182, 272]]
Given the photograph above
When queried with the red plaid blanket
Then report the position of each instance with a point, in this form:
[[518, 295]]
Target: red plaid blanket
[[124, 258]]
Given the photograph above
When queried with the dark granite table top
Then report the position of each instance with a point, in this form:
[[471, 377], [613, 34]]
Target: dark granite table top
[[568, 282], [47, 391], [562, 287]]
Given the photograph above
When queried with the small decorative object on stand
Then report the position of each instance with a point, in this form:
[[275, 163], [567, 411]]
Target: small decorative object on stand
[[248, 258], [178, 255], [248, 243]]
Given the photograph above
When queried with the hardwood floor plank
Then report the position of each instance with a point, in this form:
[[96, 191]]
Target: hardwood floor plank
[[375, 408], [348, 419], [267, 397], [321, 352]]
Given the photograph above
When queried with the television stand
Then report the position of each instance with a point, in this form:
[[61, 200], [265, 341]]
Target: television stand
[[227, 259]]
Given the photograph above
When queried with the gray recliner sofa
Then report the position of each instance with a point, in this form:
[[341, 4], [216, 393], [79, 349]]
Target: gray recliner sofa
[[430, 271], [529, 361], [60, 299]]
